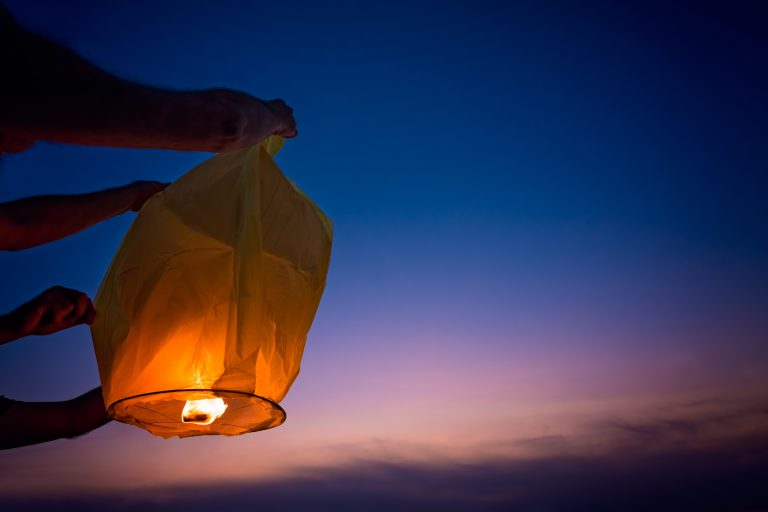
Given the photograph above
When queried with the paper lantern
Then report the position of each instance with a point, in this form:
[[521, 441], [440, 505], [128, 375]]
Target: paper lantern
[[204, 311]]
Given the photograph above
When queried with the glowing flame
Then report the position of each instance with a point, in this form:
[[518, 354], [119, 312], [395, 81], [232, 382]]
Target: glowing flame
[[203, 411]]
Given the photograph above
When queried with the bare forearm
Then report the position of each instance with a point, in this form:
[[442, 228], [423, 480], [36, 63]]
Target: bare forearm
[[52, 93], [87, 413], [53, 310], [28, 423], [37, 220], [9, 329], [151, 118]]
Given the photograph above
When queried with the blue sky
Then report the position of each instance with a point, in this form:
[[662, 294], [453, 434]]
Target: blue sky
[[538, 207]]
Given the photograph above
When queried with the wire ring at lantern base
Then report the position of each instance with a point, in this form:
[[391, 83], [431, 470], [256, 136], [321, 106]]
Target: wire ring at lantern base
[[160, 413]]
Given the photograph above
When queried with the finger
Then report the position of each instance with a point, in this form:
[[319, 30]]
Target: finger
[[56, 304], [82, 304], [90, 314], [59, 293], [62, 303], [287, 132], [152, 187], [79, 309], [62, 309]]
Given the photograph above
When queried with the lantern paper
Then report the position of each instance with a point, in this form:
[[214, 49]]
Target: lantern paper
[[204, 311]]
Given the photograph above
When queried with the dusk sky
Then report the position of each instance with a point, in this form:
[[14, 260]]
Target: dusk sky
[[549, 281]]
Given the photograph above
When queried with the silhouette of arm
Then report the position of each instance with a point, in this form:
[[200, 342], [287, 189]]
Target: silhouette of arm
[[56, 309], [25, 423], [37, 220], [51, 93]]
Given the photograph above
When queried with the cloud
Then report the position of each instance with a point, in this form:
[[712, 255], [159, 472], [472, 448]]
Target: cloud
[[700, 426], [725, 480], [708, 460], [707, 455]]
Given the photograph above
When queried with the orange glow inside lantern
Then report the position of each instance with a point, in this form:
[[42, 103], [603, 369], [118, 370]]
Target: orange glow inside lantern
[[203, 314]]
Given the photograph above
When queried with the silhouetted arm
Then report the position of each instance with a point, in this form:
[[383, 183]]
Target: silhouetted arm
[[50, 93], [37, 220], [56, 309], [25, 423]]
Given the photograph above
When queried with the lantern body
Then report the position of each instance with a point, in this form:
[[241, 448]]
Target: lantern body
[[210, 298]]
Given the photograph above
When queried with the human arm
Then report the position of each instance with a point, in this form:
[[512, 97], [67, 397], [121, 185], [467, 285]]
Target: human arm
[[33, 221], [56, 309], [51, 93], [25, 423]]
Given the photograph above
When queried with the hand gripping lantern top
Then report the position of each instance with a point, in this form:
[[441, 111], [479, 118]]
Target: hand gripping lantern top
[[203, 314]]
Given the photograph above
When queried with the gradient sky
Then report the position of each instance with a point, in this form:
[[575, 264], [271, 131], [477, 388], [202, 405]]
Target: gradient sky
[[550, 247]]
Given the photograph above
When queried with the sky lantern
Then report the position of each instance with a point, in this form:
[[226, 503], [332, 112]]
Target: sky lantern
[[203, 314]]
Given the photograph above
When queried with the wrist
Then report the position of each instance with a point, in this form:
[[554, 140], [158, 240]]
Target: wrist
[[9, 328]]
